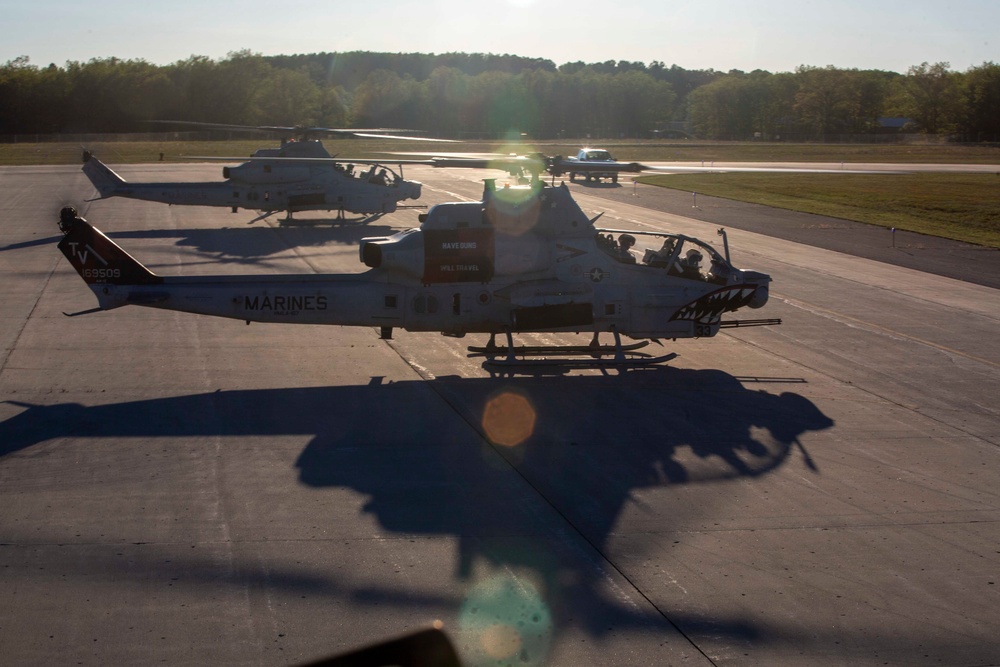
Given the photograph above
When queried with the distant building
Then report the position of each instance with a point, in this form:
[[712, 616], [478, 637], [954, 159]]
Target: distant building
[[894, 125]]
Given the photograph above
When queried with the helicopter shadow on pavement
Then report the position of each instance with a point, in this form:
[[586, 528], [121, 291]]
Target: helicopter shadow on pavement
[[531, 476], [335, 221], [597, 185], [34, 243]]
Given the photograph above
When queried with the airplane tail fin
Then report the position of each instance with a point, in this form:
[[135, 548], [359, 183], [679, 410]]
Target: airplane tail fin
[[103, 177], [98, 259]]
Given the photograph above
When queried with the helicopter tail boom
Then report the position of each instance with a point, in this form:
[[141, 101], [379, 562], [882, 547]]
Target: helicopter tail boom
[[101, 176], [98, 259]]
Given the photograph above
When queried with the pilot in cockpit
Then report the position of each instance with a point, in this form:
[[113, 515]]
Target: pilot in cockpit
[[662, 256], [690, 264], [625, 243]]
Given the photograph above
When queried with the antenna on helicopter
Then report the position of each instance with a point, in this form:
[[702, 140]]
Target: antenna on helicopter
[[725, 242]]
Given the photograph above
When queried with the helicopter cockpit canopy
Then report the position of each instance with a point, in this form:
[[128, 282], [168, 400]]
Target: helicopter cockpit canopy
[[679, 255]]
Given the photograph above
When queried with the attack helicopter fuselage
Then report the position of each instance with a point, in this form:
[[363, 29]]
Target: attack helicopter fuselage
[[526, 258], [299, 176]]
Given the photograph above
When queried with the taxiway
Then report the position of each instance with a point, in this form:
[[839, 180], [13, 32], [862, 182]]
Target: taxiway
[[190, 490]]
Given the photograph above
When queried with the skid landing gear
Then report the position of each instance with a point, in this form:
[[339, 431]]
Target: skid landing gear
[[594, 355]]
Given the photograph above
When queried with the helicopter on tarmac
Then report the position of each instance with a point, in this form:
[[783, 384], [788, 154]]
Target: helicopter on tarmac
[[524, 259], [301, 175]]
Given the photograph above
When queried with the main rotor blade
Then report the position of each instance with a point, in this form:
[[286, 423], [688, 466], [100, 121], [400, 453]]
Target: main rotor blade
[[305, 131], [308, 160], [676, 169], [404, 138]]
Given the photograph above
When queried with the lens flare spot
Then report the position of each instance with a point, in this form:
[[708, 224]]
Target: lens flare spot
[[515, 211], [509, 419], [504, 621], [500, 641]]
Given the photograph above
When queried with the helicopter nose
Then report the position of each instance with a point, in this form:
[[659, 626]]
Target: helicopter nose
[[761, 280], [413, 190]]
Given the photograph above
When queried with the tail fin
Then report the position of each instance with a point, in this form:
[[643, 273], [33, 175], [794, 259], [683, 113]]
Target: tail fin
[[103, 178], [98, 259]]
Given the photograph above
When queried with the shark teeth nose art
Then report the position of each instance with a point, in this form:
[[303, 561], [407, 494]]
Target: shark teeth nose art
[[715, 303]]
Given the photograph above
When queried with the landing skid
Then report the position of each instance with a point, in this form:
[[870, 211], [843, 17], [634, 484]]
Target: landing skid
[[596, 362], [594, 355], [535, 350]]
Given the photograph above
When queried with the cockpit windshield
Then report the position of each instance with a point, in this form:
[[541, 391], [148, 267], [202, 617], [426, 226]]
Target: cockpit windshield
[[679, 255]]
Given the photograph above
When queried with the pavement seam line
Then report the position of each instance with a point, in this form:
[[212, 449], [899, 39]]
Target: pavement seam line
[[597, 550], [31, 313]]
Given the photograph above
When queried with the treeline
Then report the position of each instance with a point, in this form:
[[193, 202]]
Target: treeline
[[488, 96], [816, 103]]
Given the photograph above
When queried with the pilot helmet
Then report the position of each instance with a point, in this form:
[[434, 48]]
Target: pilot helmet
[[694, 256]]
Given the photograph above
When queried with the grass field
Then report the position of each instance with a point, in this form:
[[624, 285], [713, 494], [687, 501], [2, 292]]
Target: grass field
[[964, 207], [636, 150]]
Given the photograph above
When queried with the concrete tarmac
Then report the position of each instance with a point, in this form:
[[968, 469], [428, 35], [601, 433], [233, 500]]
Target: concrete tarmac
[[192, 490]]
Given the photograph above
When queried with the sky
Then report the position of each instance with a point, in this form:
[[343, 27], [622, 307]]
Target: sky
[[772, 35]]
